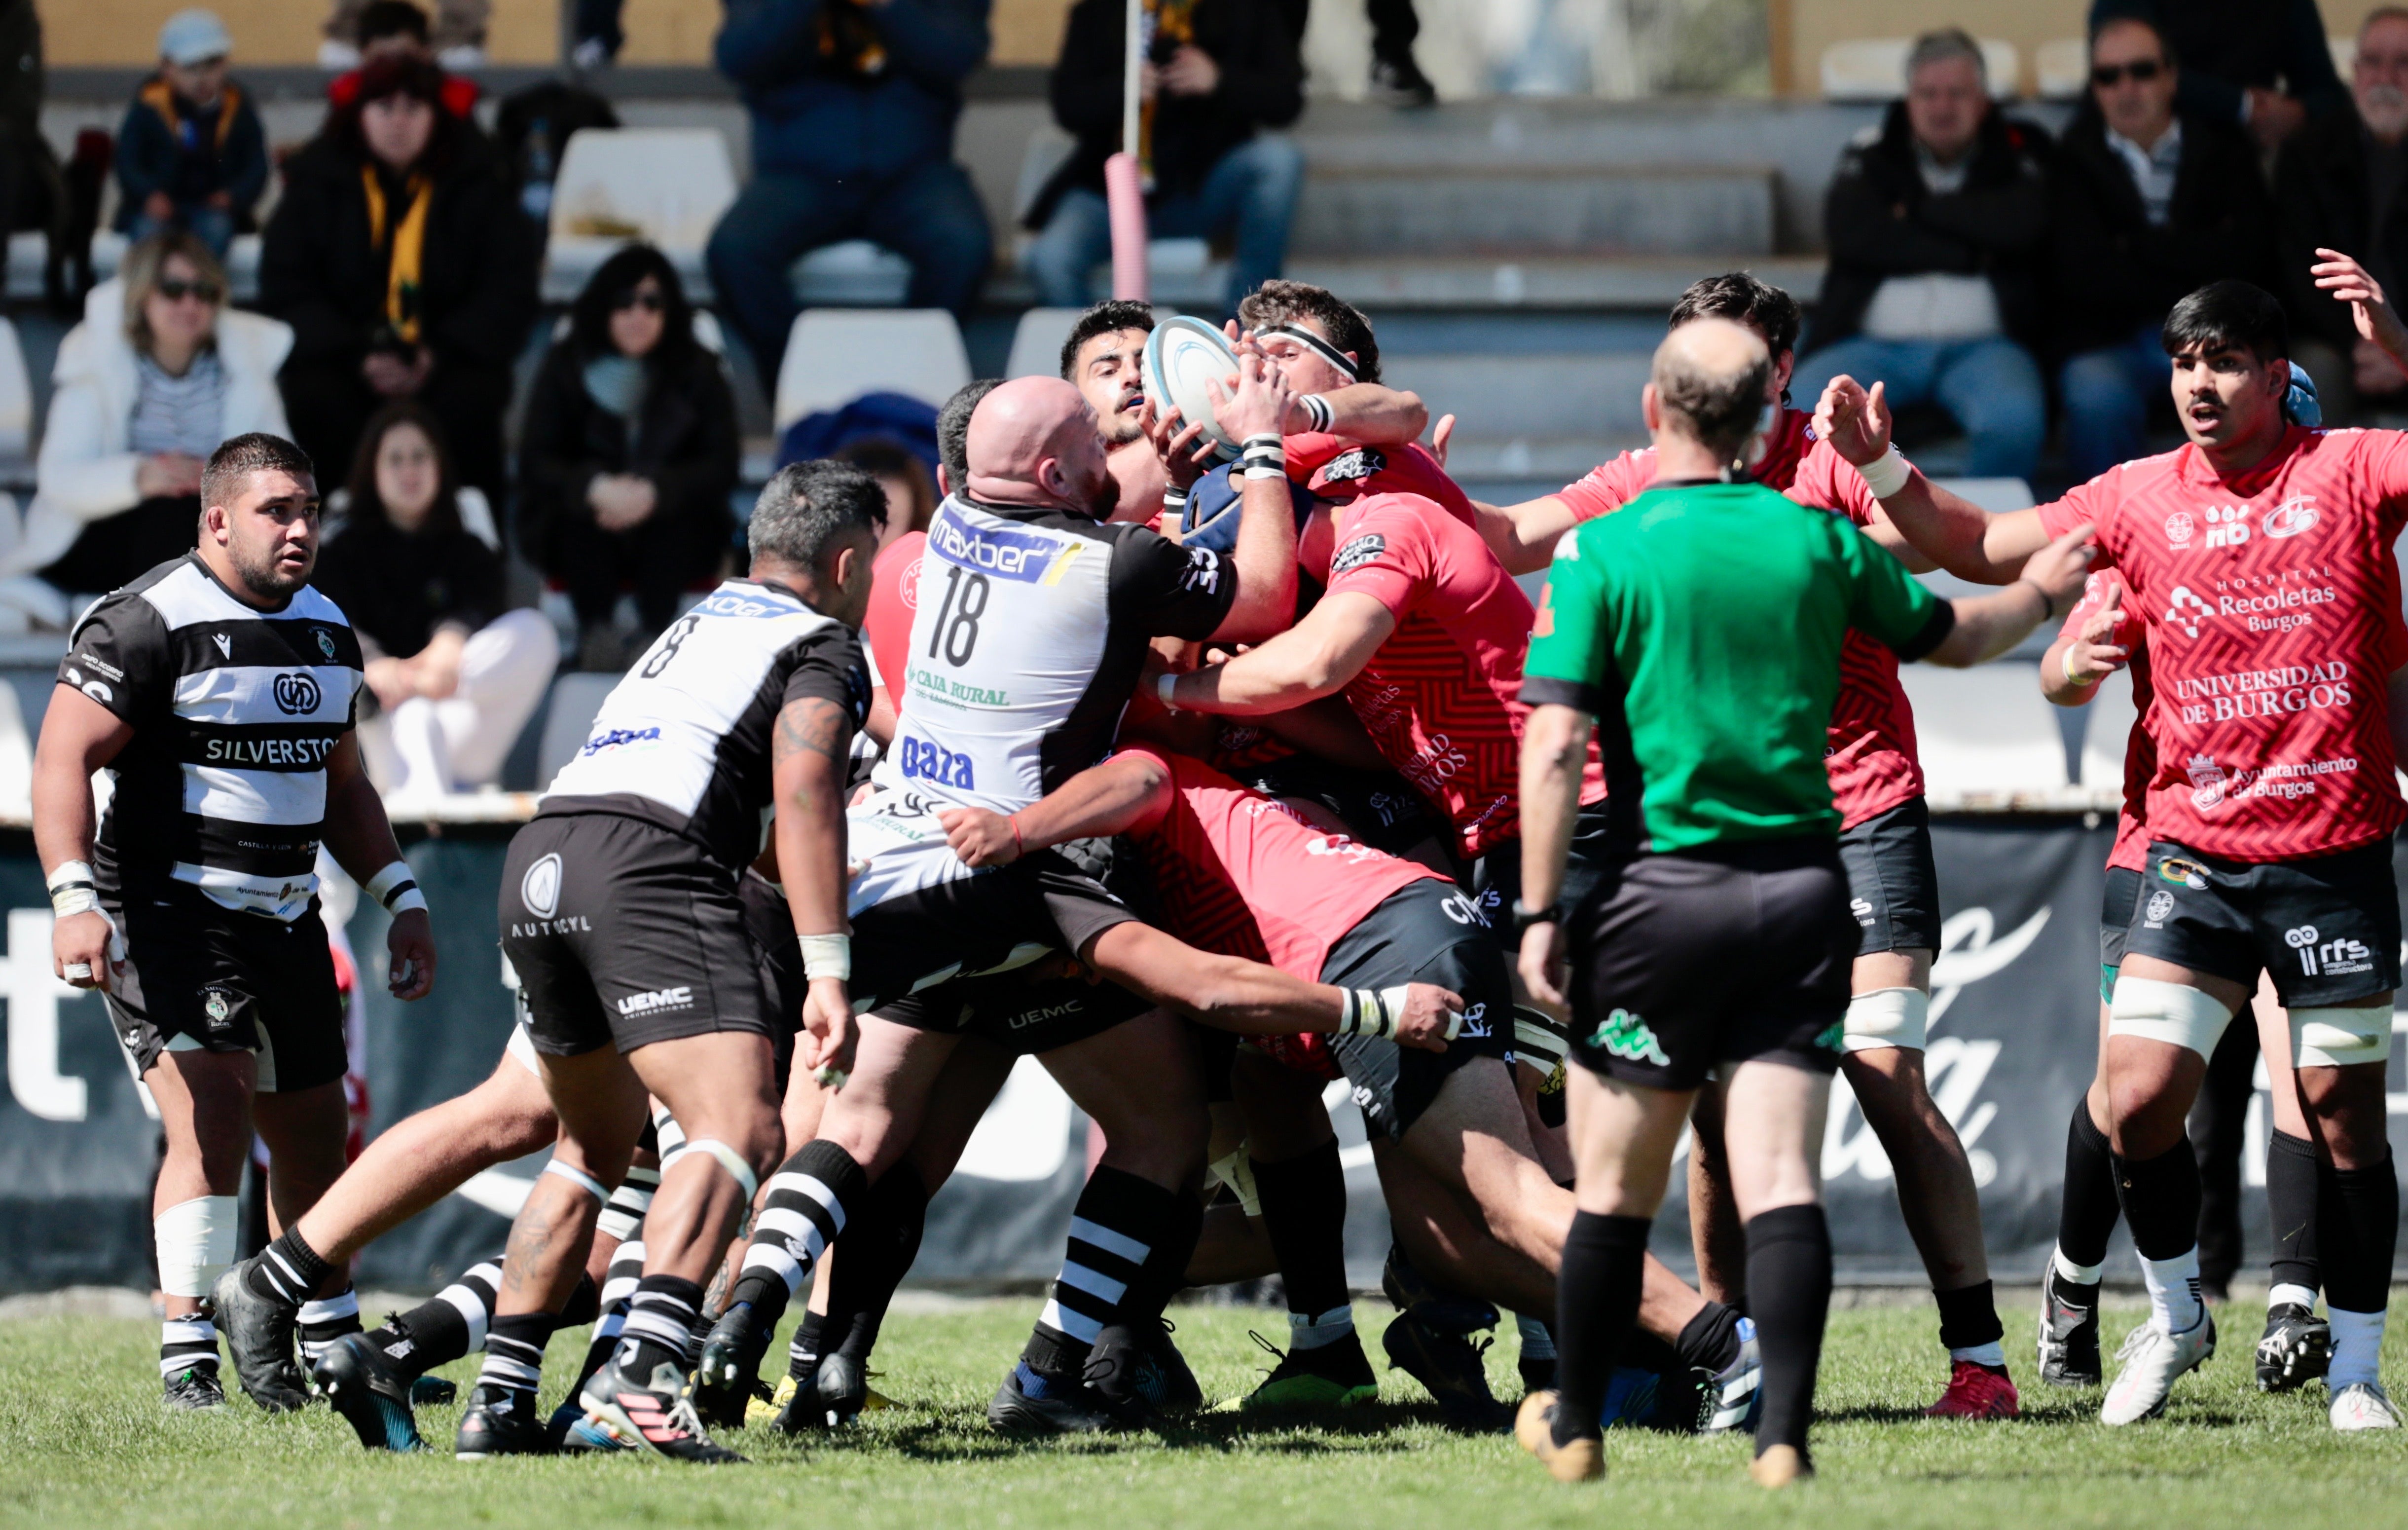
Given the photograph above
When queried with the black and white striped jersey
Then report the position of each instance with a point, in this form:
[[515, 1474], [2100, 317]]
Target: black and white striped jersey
[[684, 741], [234, 711]]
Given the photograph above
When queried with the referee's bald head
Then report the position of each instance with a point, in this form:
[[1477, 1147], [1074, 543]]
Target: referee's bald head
[[1708, 385]]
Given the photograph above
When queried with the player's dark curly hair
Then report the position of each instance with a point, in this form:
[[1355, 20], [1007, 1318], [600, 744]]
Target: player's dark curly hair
[[953, 431], [807, 506], [2229, 314], [1277, 302], [1107, 318], [243, 456], [1743, 298]]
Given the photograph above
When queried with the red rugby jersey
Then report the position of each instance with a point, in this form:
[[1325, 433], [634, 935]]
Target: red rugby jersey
[[1441, 698], [1239, 875], [1870, 747], [2131, 848], [2273, 604], [893, 598]]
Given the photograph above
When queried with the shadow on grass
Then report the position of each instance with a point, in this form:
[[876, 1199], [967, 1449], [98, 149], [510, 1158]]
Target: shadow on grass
[[960, 1434]]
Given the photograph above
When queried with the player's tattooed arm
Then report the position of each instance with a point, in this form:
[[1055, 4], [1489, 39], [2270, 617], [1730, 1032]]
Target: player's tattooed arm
[[811, 725]]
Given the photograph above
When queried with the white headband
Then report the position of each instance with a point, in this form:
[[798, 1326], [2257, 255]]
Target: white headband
[[1311, 341]]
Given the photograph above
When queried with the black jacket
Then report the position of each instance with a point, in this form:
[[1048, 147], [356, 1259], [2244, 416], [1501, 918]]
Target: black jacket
[[686, 443], [1262, 85], [2321, 202], [2111, 270], [2227, 45], [319, 273], [398, 587], [228, 151], [1880, 222]]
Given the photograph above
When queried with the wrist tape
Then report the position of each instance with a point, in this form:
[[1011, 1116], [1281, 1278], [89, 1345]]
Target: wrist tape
[[826, 956], [1266, 456], [1886, 473], [396, 889], [1375, 1012], [73, 890], [1317, 410]]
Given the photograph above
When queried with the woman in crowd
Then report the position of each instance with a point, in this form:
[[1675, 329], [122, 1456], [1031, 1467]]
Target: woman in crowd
[[454, 676], [910, 488], [628, 454], [398, 254], [159, 372]]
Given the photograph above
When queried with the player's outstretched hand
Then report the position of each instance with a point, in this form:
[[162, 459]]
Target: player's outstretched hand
[[85, 951], [979, 838], [1545, 968], [1260, 405], [410, 941], [1185, 454], [825, 1046], [2095, 655], [2063, 567], [2351, 282], [1430, 1012], [1854, 422], [1441, 436]]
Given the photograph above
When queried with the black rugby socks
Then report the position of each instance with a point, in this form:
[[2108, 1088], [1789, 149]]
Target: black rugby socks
[[1789, 1284], [1597, 1306]]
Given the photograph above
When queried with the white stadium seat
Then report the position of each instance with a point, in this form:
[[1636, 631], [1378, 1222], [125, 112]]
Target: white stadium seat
[[1037, 343], [1985, 732], [834, 355], [2063, 65], [666, 186], [2344, 55], [1874, 68], [2106, 730], [853, 273]]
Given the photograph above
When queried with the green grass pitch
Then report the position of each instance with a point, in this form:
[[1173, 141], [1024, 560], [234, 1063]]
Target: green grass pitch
[[86, 1443]]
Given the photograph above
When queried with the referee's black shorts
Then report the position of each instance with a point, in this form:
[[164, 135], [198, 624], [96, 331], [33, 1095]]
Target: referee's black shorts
[[1683, 963], [623, 933], [201, 976]]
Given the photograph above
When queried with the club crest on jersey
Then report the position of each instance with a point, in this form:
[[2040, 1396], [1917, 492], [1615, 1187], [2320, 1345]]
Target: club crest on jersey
[[297, 693], [2291, 517], [2208, 782], [217, 1006], [1355, 554], [2180, 528], [326, 640], [1347, 467]]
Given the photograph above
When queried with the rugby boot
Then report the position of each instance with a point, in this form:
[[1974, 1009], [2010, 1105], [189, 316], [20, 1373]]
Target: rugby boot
[[1580, 1461], [1629, 1397], [360, 1382], [1779, 1465], [1440, 1309], [1731, 1397], [193, 1390], [1181, 1392], [837, 1393], [1976, 1391], [432, 1391], [2296, 1348], [1336, 1375], [2152, 1361], [259, 1339], [499, 1422], [1452, 1371], [2360, 1405], [653, 1414], [1030, 1404], [728, 1375], [1124, 1371], [2069, 1331]]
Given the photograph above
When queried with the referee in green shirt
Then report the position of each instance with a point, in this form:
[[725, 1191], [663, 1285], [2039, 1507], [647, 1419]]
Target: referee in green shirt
[[1701, 625]]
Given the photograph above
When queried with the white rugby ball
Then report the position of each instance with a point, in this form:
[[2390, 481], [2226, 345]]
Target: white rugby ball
[[1182, 355]]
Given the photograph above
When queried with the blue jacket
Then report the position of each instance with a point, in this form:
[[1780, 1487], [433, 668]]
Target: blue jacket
[[812, 113], [165, 146]]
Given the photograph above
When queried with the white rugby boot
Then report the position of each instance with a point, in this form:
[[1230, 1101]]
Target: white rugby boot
[[2152, 1359], [2363, 1405]]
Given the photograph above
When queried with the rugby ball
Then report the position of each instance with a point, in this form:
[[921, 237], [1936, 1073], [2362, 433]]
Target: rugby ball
[[1182, 355]]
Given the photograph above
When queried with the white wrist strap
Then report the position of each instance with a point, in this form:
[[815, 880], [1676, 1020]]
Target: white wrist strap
[[1375, 1013], [73, 890], [1163, 685], [2065, 662], [826, 956], [396, 889], [1266, 456], [1317, 410], [1886, 473]]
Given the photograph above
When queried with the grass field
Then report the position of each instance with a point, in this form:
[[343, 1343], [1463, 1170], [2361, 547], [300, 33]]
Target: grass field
[[86, 1443]]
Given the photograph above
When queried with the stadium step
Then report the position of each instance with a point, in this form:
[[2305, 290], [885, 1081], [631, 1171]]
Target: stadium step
[[1643, 282], [1517, 209], [1529, 396]]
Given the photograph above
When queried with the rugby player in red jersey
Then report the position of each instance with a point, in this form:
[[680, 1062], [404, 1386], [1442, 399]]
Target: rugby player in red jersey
[[1885, 844], [2259, 556], [1239, 874]]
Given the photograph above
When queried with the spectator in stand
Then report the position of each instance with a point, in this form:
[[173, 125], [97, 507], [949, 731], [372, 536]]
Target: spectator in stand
[[456, 41], [190, 153], [2146, 203], [30, 191], [391, 28], [399, 257], [2262, 64], [1217, 73], [1396, 80], [910, 488], [628, 456], [853, 103], [453, 674], [1937, 220], [2338, 185], [159, 372]]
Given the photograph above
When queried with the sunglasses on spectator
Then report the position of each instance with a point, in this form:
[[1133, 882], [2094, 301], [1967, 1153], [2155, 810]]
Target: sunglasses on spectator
[[2141, 71], [650, 302], [176, 291]]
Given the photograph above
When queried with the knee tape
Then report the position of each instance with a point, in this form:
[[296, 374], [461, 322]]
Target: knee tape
[[2337, 1038], [1886, 1017], [1236, 1171], [578, 1178], [195, 1243], [729, 1159], [2154, 1010]]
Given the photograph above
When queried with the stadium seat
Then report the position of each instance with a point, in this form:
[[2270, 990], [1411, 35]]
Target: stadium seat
[[1874, 68], [853, 273], [2344, 55], [665, 185], [835, 355], [1037, 343], [16, 397], [2063, 67], [2106, 729], [1985, 732], [1996, 495]]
